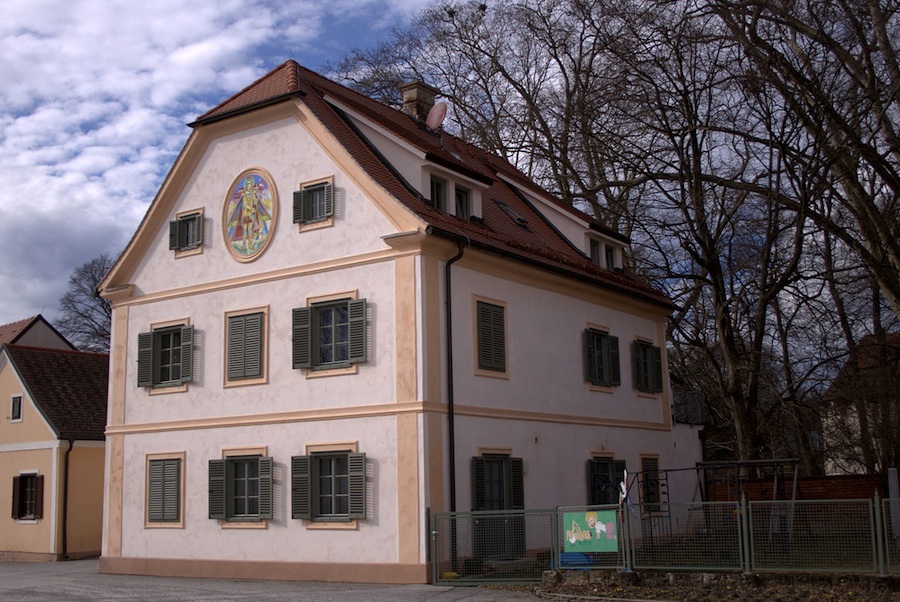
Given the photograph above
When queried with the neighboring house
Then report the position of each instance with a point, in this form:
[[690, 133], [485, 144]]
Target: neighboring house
[[861, 414], [335, 319], [33, 332], [51, 452]]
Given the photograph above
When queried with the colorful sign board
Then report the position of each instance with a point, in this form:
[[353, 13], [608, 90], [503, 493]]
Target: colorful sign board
[[591, 531]]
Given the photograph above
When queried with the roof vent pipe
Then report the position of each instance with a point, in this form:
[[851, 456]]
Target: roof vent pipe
[[418, 98]]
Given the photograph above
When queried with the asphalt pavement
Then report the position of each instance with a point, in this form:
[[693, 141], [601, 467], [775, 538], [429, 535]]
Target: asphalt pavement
[[80, 580]]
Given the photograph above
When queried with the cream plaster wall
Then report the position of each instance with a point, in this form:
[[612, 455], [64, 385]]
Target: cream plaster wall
[[545, 358], [289, 154], [41, 335], [85, 505], [32, 427], [287, 389], [284, 539]]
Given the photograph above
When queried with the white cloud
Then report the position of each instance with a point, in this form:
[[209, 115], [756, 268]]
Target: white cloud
[[94, 103]]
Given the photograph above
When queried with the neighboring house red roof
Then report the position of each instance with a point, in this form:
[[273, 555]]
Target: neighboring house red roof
[[68, 387], [536, 242]]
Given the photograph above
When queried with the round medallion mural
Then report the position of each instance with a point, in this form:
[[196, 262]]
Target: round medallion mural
[[249, 218]]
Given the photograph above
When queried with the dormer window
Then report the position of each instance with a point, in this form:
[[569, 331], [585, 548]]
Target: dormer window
[[604, 254], [596, 249], [610, 258], [439, 193]]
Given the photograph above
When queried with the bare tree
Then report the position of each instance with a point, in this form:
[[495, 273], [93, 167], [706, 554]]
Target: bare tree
[[84, 316]]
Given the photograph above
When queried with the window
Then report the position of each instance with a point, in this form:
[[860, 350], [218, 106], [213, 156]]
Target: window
[[601, 352], [650, 484], [28, 496], [314, 203], [164, 490], [438, 193], [15, 408], [491, 336], [595, 251], [330, 334], [165, 356], [463, 204], [497, 483], [328, 486], [604, 476], [610, 258], [186, 232], [647, 367], [246, 346], [513, 215], [240, 488]]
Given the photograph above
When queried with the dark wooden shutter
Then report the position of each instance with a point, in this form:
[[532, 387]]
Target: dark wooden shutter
[[187, 354], [650, 476], [217, 489], [236, 325], [302, 343], [301, 487], [357, 472], [516, 484], [478, 501], [298, 207], [145, 360], [656, 369], [173, 235], [491, 337], [615, 372], [266, 496], [38, 496], [356, 312], [171, 490], [16, 496]]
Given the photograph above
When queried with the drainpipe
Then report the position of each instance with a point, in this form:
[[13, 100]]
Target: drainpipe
[[450, 416], [65, 501]]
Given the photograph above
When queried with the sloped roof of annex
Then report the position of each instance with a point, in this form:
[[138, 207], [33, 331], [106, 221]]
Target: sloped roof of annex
[[68, 387], [538, 243]]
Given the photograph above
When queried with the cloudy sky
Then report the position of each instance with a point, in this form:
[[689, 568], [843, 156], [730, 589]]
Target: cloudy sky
[[94, 102]]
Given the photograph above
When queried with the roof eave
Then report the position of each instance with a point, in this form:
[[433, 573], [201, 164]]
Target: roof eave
[[247, 108]]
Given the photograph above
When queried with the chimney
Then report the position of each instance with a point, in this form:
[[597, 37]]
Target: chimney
[[418, 98]]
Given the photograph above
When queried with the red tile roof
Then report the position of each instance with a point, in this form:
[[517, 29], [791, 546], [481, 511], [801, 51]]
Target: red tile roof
[[68, 387], [537, 242], [10, 332]]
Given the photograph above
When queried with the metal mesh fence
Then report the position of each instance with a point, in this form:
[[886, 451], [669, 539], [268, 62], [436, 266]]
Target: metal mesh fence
[[510, 546], [703, 537], [844, 536], [808, 535]]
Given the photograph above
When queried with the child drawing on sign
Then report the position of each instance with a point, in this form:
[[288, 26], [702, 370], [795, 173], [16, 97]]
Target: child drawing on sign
[[576, 534], [593, 521]]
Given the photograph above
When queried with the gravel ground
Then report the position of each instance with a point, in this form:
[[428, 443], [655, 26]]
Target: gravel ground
[[601, 585]]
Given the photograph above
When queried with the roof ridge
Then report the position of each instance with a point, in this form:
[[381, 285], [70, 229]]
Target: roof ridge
[[53, 349]]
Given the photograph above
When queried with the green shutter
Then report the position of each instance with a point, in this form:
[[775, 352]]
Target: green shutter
[[17, 488], [590, 363], [265, 487], [171, 489], [650, 476], [302, 342], [615, 373], [145, 360], [197, 238], [491, 337], [356, 312], [173, 235], [516, 484], [357, 473], [301, 484], [187, 354], [236, 326], [656, 369], [217, 489], [329, 200], [253, 345], [478, 483], [298, 207], [155, 491]]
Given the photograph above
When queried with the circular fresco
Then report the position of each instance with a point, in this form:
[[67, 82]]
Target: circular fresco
[[249, 218]]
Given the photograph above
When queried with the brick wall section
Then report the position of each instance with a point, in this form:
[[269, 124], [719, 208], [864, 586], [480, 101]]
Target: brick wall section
[[842, 487]]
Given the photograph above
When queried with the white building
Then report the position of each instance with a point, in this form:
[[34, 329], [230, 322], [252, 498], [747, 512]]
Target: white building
[[290, 388]]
